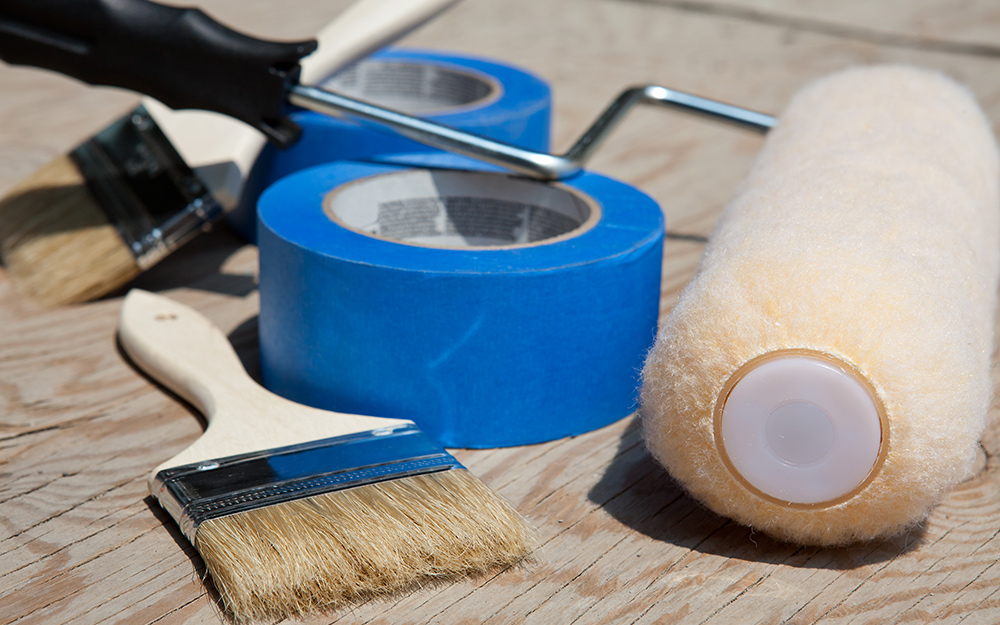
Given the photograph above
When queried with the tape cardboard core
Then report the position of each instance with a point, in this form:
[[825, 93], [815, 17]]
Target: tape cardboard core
[[460, 209], [413, 88]]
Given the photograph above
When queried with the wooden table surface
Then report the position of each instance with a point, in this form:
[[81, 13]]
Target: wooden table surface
[[81, 541]]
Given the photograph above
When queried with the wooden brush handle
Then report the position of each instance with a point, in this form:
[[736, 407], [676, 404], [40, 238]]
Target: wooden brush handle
[[185, 352], [362, 28]]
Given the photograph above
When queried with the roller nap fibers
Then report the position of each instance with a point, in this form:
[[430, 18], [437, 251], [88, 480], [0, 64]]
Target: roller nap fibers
[[825, 376]]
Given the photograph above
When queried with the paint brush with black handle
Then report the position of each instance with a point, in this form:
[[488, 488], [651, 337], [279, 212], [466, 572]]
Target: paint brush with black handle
[[90, 221]]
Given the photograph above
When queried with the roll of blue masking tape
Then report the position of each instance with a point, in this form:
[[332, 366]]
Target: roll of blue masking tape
[[491, 310], [474, 94]]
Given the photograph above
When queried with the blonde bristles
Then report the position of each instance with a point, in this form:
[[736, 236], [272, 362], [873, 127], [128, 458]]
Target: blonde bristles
[[57, 243], [322, 552]]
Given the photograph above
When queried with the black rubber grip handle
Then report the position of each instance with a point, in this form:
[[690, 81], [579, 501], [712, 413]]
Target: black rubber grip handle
[[179, 56]]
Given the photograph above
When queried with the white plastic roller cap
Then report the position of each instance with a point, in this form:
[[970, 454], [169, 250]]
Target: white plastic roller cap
[[801, 428]]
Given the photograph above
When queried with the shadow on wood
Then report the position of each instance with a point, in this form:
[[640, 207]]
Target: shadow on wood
[[640, 494], [185, 545], [245, 340], [198, 265]]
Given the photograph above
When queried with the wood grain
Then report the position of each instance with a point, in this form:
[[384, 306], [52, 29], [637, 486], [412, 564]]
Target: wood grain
[[81, 541], [940, 25]]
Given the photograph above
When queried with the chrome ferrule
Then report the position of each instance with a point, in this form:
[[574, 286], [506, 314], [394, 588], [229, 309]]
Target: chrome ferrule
[[195, 493], [151, 196], [150, 247]]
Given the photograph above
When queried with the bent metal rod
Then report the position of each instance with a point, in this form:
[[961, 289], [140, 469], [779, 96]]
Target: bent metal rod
[[539, 165]]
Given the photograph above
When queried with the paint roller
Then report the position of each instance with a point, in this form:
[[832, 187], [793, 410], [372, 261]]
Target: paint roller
[[825, 377]]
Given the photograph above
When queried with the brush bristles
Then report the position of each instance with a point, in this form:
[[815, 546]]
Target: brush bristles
[[57, 244], [322, 552]]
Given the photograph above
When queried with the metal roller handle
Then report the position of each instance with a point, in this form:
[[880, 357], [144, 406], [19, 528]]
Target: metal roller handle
[[527, 162]]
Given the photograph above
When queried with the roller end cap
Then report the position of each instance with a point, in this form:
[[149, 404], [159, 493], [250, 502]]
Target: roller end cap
[[801, 428]]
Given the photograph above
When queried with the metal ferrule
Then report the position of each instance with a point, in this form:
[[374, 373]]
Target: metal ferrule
[[527, 162], [198, 216], [195, 493], [154, 200]]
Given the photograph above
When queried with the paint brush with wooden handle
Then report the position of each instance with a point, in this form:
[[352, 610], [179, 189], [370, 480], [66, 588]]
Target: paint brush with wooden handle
[[296, 509], [90, 221]]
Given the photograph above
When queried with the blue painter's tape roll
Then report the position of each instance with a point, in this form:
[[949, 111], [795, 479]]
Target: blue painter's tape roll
[[474, 94], [491, 310]]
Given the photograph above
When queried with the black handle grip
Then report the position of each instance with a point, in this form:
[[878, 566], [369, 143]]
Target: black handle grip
[[179, 56]]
